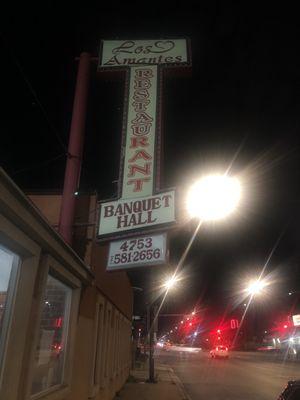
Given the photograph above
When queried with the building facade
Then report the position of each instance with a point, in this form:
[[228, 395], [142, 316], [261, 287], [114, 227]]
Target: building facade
[[65, 324]]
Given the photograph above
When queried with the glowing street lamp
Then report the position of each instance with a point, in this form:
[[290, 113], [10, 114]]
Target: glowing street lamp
[[256, 287], [213, 197], [170, 282]]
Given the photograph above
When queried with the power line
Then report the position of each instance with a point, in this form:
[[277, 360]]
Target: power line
[[34, 94], [43, 164]]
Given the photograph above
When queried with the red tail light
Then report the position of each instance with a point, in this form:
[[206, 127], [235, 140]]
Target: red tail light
[[217, 348]]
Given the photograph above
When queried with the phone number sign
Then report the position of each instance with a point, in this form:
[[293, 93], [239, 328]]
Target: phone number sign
[[137, 252]]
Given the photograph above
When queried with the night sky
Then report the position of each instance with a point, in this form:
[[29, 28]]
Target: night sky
[[241, 98]]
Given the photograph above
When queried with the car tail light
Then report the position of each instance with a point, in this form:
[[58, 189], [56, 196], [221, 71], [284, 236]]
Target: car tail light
[[217, 348], [226, 348]]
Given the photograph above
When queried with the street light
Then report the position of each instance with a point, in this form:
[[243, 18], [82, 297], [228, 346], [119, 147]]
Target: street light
[[256, 287], [170, 282], [213, 197], [153, 313]]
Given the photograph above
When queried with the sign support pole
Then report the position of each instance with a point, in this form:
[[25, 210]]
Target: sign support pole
[[74, 155], [151, 344]]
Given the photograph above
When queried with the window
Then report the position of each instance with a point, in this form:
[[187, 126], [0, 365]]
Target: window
[[8, 276], [50, 355]]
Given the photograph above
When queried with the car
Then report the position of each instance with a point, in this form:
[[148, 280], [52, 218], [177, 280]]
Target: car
[[219, 352], [291, 391]]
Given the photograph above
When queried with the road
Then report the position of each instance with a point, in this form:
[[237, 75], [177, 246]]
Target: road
[[244, 376]]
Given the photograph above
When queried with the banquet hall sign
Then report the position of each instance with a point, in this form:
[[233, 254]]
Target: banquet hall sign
[[141, 204]]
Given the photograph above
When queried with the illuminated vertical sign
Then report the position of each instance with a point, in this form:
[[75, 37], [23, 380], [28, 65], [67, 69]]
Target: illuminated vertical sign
[[140, 205], [138, 176]]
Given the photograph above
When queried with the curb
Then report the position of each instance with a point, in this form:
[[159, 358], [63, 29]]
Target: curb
[[179, 384]]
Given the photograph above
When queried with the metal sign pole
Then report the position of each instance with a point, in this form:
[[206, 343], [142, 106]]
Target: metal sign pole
[[151, 345]]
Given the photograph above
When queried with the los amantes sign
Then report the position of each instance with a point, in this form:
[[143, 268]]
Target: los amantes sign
[[130, 52], [140, 204]]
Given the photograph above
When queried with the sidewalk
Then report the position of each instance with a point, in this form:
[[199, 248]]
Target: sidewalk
[[168, 386]]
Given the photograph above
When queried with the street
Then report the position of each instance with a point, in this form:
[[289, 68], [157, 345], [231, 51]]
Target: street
[[244, 376]]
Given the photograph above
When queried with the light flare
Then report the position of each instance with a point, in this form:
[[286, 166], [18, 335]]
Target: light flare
[[213, 197], [256, 287]]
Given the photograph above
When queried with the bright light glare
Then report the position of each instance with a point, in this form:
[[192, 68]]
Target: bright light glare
[[256, 287], [170, 282], [213, 197]]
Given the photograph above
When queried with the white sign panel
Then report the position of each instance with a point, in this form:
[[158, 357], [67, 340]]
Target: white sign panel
[[116, 53], [137, 252], [127, 215], [296, 320], [139, 207]]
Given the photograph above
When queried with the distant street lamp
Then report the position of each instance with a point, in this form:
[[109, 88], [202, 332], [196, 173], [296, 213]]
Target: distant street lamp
[[153, 312], [254, 288]]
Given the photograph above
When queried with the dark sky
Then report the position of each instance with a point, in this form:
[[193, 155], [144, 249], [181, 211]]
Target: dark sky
[[243, 92]]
